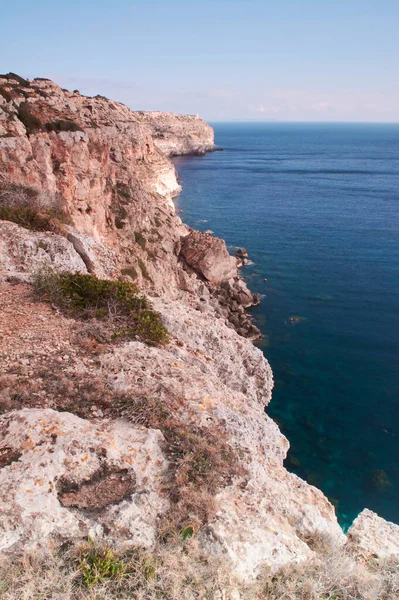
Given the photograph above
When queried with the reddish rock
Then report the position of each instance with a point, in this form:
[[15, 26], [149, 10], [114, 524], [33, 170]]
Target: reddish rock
[[208, 256]]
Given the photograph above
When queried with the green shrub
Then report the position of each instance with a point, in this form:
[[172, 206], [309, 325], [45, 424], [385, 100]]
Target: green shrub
[[128, 312], [97, 565], [31, 122], [62, 125]]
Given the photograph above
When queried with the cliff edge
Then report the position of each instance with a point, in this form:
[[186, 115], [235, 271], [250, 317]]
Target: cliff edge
[[131, 395]]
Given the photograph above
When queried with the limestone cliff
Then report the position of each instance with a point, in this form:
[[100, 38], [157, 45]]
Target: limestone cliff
[[104, 161], [178, 134], [109, 168]]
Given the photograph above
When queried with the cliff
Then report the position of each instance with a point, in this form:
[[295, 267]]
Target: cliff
[[178, 134], [135, 441]]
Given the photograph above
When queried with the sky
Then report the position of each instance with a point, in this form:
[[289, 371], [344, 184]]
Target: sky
[[281, 60]]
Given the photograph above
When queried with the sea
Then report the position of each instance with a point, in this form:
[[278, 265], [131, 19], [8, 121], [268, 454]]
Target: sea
[[317, 208]]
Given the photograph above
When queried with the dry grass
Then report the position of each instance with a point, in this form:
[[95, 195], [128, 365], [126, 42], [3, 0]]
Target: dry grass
[[333, 575], [83, 571], [86, 572], [29, 208], [201, 462]]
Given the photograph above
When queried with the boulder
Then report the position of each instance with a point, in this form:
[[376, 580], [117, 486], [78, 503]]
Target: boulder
[[370, 536], [23, 251], [242, 253], [208, 256]]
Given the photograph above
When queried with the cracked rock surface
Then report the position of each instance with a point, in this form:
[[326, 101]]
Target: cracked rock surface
[[62, 476]]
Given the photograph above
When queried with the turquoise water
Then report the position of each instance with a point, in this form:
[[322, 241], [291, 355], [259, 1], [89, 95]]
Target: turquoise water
[[316, 206]]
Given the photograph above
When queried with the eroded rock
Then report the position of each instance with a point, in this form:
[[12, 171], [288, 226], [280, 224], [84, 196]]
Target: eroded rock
[[208, 256], [179, 134], [370, 537], [23, 251], [70, 478], [225, 380]]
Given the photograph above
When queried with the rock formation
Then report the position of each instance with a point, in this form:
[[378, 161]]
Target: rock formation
[[208, 256], [97, 474], [177, 134]]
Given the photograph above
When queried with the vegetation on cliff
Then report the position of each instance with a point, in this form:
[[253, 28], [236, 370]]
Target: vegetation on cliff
[[29, 208], [180, 570], [128, 313]]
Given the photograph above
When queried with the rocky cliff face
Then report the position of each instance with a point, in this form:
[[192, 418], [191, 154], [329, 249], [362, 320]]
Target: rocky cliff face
[[178, 134], [109, 167], [105, 162]]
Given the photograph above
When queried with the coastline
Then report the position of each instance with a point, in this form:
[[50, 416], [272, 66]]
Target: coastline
[[213, 381], [292, 291]]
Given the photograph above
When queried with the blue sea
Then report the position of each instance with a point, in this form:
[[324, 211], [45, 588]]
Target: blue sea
[[316, 206]]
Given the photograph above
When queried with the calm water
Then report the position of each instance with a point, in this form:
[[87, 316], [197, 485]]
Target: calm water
[[317, 206]]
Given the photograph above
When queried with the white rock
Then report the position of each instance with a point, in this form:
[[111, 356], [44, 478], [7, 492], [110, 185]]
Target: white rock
[[225, 380], [24, 251], [370, 536], [63, 476]]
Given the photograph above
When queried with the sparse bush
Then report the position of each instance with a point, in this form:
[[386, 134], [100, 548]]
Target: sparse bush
[[123, 190], [32, 123], [14, 76], [201, 462], [143, 269], [130, 271], [127, 312], [30, 208]]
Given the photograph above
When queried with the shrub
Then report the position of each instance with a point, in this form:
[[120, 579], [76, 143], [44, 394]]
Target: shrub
[[62, 125], [128, 312], [16, 77], [31, 122], [30, 208], [97, 565], [123, 190], [130, 271]]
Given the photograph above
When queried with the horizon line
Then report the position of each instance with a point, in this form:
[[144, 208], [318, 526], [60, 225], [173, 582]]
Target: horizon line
[[275, 121]]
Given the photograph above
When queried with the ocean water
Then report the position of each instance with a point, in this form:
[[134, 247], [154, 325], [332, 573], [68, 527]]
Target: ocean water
[[317, 208]]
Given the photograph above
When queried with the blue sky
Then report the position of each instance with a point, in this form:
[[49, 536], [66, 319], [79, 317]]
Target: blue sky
[[303, 60]]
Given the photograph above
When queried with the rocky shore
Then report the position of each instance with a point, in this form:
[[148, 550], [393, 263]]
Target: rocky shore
[[73, 463]]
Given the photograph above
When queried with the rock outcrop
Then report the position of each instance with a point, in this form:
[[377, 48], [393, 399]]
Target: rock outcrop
[[62, 475], [22, 252], [208, 256], [371, 537], [104, 161], [179, 134]]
